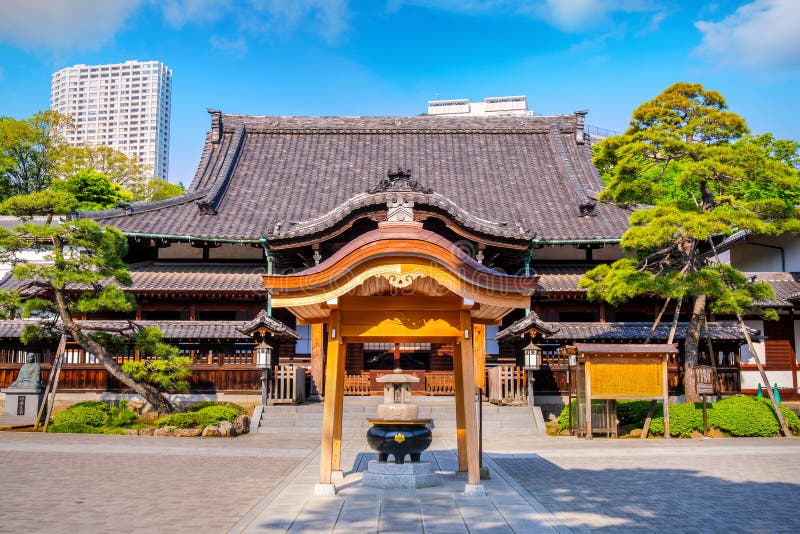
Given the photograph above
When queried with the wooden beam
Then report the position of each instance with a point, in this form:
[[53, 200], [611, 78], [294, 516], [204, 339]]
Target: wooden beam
[[470, 417], [401, 302], [332, 369], [317, 358], [665, 374], [588, 413], [461, 429]]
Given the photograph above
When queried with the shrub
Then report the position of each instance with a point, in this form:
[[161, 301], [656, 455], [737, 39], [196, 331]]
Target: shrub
[[633, 413], [73, 428], [205, 404], [121, 416], [89, 413], [210, 415], [563, 417], [683, 418], [184, 420], [220, 413], [750, 416]]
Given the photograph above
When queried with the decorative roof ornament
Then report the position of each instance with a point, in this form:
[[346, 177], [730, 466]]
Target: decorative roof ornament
[[586, 208], [264, 324], [400, 181]]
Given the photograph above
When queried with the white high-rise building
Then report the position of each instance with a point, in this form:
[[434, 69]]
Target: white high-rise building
[[124, 106]]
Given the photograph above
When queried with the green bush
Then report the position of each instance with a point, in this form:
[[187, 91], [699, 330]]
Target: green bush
[[749, 416], [563, 417], [100, 405], [74, 428], [683, 418], [205, 404], [184, 420], [210, 415], [737, 416], [90, 413], [121, 416], [632, 413]]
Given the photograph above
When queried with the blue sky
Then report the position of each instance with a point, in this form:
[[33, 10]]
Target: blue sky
[[389, 57]]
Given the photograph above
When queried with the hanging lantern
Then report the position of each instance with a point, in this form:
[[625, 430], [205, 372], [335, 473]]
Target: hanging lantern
[[533, 357], [263, 355]]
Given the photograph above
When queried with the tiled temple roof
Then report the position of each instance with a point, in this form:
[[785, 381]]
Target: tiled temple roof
[[630, 331], [161, 277], [785, 285], [278, 177], [173, 330]]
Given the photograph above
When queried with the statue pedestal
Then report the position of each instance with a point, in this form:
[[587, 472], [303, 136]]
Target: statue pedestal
[[400, 476], [22, 405]]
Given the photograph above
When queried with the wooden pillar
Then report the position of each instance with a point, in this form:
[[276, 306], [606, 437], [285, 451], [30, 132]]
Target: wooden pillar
[[333, 367], [461, 429], [665, 380], [470, 417], [480, 356], [588, 412], [317, 358], [336, 461]]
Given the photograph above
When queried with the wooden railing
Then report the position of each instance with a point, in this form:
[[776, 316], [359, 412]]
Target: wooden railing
[[440, 383], [357, 384], [507, 384], [287, 384]]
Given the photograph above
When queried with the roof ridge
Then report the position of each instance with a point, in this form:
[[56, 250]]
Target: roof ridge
[[143, 207], [210, 202], [585, 203]]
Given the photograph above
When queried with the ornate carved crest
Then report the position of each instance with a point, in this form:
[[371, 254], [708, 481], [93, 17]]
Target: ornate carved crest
[[399, 181]]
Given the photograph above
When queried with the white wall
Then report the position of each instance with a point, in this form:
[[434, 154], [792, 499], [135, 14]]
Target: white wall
[[747, 357], [752, 258], [797, 340], [752, 378]]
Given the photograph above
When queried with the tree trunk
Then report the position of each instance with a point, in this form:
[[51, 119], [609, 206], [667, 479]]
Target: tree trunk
[[691, 348], [154, 397]]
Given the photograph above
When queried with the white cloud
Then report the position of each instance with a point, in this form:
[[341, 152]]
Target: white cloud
[[63, 24], [257, 18], [178, 13], [329, 18], [566, 15], [762, 35], [236, 46]]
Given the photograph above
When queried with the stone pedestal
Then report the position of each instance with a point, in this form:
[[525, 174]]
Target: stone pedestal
[[22, 405], [400, 476]]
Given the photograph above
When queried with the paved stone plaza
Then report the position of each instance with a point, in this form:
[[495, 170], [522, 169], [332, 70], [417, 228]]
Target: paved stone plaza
[[263, 483]]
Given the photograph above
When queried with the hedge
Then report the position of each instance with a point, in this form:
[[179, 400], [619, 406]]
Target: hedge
[[91, 413], [737, 416], [210, 415]]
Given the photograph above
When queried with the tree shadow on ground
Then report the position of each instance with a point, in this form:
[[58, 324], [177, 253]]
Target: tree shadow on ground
[[667, 499]]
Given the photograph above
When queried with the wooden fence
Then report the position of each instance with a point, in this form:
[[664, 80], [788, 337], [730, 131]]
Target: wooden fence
[[508, 384], [357, 384], [287, 384], [440, 383]]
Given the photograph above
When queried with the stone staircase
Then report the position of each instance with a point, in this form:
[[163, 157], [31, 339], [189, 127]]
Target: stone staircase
[[306, 419]]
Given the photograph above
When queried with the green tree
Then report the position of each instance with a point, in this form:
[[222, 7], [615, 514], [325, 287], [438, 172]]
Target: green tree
[[92, 190], [119, 168], [158, 189], [30, 151], [85, 274], [692, 174]]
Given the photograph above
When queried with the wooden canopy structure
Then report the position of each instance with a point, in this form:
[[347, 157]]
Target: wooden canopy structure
[[401, 283]]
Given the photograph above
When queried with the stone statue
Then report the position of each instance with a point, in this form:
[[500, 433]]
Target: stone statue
[[30, 375]]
